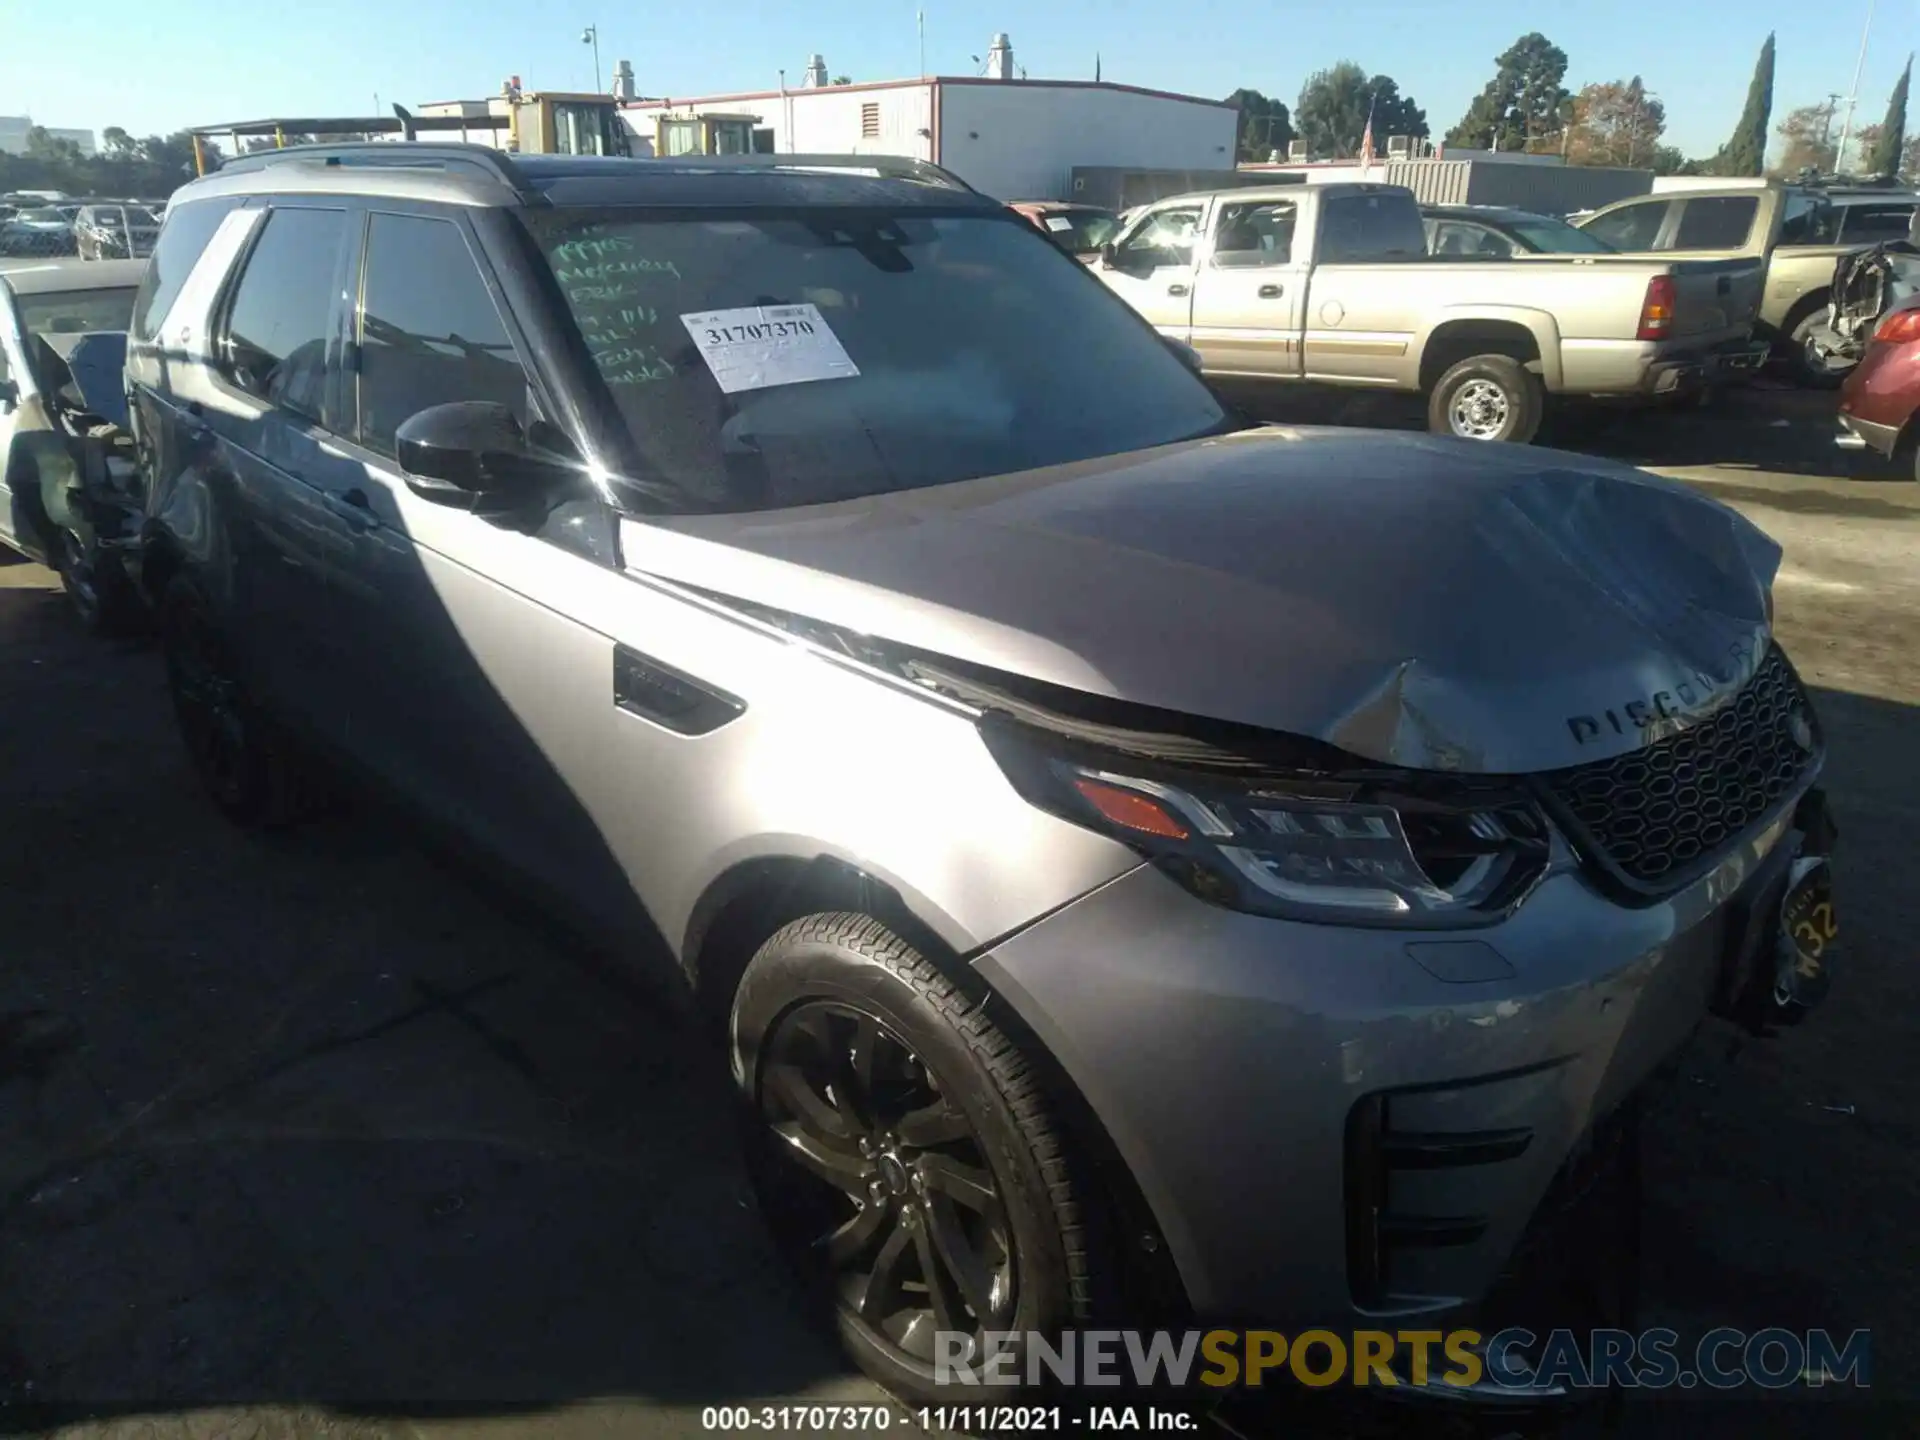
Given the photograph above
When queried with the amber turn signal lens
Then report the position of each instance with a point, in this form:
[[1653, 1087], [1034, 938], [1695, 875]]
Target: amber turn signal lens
[[1130, 811]]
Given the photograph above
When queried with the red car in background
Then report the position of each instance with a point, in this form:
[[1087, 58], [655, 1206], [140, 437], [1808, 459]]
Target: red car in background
[[1881, 394], [1080, 230]]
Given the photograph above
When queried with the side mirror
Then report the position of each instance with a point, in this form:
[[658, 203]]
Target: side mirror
[[1189, 356], [1108, 255], [9, 395], [474, 455]]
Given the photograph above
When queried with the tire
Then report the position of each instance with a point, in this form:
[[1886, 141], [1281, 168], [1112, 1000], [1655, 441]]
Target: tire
[[1487, 397], [943, 1132], [243, 761], [1803, 357], [98, 591]]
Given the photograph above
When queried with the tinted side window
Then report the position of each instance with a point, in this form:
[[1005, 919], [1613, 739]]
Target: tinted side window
[[187, 233], [1870, 224], [276, 334], [1358, 229], [429, 332], [1631, 227], [1716, 222]]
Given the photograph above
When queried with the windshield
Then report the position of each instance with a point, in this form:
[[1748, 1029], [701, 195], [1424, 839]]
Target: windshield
[[1080, 232], [43, 216], [1557, 237], [76, 312], [809, 356]]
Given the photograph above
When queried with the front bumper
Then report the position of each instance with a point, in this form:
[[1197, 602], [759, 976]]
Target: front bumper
[[1332, 1126]]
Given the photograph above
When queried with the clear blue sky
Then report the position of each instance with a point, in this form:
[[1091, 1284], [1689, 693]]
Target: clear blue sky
[[156, 65]]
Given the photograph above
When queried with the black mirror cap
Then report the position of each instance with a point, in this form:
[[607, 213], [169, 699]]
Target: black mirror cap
[[473, 455], [1107, 252]]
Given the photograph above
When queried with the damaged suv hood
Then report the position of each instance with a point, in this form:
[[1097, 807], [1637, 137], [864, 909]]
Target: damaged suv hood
[[1415, 601]]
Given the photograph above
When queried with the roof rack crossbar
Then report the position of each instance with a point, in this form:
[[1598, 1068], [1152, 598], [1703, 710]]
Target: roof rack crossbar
[[381, 154], [892, 167]]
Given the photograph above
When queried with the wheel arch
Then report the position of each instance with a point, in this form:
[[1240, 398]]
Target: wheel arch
[[1528, 336], [752, 901]]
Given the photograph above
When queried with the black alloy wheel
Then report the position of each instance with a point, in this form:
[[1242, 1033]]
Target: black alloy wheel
[[907, 1155], [889, 1186]]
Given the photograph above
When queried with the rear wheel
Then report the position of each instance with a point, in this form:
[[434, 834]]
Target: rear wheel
[[97, 588], [244, 762], [1487, 397], [905, 1154]]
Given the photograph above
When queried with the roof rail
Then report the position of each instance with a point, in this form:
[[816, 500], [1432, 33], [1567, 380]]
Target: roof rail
[[891, 167], [389, 155]]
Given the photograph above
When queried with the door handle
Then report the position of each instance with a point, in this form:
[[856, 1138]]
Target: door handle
[[1271, 292], [351, 506], [1176, 289]]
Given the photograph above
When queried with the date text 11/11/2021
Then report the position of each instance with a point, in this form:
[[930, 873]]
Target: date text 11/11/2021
[[946, 1419]]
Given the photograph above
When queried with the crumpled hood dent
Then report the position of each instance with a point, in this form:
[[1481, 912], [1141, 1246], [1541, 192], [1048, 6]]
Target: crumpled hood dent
[[1440, 605]]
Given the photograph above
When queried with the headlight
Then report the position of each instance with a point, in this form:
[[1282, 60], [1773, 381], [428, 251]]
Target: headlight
[[1369, 848]]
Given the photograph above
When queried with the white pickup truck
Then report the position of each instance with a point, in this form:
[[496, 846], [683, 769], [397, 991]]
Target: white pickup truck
[[1332, 283]]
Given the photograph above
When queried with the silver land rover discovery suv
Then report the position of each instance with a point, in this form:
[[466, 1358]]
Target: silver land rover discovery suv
[[1141, 859]]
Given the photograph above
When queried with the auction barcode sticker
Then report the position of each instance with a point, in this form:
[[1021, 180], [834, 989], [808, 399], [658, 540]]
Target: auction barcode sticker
[[761, 345]]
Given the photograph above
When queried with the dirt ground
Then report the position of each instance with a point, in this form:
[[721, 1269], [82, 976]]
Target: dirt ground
[[326, 1137]]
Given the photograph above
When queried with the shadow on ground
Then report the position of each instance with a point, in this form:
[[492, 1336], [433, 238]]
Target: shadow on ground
[[318, 1120]]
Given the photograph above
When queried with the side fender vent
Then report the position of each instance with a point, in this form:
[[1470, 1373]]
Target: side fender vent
[[669, 697]]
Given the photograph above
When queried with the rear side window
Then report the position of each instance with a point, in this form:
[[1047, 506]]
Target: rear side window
[[429, 331], [275, 344], [1870, 224], [1716, 222], [1361, 229], [187, 233], [1631, 227]]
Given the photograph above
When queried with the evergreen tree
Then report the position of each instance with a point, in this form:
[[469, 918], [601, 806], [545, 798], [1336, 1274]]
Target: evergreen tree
[[1746, 152], [1886, 156]]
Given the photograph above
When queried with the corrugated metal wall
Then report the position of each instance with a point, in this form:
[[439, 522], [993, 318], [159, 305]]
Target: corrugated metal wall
[[1549, 189]]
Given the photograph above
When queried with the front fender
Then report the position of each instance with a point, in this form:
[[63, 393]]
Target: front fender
[[1538, 323]]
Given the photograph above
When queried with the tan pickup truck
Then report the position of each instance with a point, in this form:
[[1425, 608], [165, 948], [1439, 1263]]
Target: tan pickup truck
[[1332, 283], [1799, 232]]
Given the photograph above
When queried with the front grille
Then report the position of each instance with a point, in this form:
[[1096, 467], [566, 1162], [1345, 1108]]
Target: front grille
[[1662, 813]]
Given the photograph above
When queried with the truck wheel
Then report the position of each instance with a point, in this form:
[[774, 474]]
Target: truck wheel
[[1810, 353], [1487, 397], [904, 1151]]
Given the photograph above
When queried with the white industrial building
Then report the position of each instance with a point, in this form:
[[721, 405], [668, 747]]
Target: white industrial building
[[1012, 138], [14, 128]]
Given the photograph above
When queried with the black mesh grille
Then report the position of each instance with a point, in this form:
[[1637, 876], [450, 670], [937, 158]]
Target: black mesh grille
[[1660, 813]]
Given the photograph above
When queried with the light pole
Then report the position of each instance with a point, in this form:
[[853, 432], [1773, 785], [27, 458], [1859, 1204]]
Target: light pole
[[591, 36], [1846, 128]]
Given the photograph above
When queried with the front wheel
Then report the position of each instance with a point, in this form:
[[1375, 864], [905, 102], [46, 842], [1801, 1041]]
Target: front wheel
[[905, 1154], [1487, 397]]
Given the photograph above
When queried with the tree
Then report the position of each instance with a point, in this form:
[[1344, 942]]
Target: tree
[[1615, 122], [1745, 152], [1521, 104], [116, 144], [1265, 125], [1336, 104], [1885, 151], [843, 79], [1807, 141]]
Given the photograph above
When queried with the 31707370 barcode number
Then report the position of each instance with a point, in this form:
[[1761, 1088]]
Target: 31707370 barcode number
[[766, 330]]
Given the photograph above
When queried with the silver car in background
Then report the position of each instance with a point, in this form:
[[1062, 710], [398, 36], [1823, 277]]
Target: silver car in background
[[1143, 865]]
